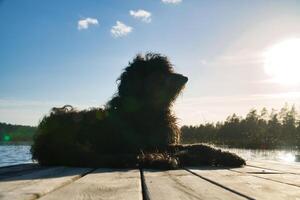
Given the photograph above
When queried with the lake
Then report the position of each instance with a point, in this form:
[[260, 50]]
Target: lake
[[18, 154], [14, 154], [285, 156]]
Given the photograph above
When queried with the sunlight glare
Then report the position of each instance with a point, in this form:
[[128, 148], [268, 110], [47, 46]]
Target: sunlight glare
[[287, 157], [282, 61]]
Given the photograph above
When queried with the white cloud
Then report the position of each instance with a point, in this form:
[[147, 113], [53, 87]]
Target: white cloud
[[143, 15], [120, 29], [85, 23], [171, 1]]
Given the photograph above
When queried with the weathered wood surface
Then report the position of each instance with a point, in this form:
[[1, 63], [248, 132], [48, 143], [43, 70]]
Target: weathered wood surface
[[248, 185], [258, 180], [102, 184], [32, 185], [274, 175], [17, 169], [282, 167], [180, 184]]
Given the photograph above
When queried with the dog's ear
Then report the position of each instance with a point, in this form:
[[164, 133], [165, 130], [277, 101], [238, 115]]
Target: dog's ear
[[131, 80]]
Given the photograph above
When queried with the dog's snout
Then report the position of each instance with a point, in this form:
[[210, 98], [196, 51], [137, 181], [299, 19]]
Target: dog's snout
[[180, 78], [185, 79]]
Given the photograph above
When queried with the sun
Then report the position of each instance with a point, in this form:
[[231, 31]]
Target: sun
[[282, 62]]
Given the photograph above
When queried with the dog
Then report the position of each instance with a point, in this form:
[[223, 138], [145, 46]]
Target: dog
[[137, 118]]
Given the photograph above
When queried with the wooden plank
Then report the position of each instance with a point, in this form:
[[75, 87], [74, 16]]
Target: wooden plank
[[102, 184], [255, 170], [281, 177], [273, 165], [251, 186], [14, 170], [180, 184], [38, 183], [13, 182]]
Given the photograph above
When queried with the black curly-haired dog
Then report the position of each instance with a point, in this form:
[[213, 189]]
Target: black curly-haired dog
[[141, 109], [137, 118]]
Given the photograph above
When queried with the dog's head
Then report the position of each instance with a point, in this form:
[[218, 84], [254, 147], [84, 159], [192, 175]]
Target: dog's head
[[149, 81]]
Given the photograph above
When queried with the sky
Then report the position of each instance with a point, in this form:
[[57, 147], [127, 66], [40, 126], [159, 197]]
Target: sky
[[55, 52]]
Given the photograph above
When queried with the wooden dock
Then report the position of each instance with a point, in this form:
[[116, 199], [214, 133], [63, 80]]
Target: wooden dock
[[257, 180]]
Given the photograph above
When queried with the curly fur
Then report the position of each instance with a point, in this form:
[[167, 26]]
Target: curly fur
[[137, 118]]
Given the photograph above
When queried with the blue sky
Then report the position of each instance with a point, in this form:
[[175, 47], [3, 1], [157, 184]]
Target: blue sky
[[47, 59]]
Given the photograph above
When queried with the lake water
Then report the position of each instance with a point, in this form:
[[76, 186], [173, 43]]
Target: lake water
[[18, 154], [284, 156], [14, 154]]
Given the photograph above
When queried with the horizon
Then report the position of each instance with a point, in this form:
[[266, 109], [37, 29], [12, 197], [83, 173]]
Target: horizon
[[237, 55]]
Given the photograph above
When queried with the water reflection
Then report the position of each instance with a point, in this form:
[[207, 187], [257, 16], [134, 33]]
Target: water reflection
[[18, 154], [287, 156], [14, 154]]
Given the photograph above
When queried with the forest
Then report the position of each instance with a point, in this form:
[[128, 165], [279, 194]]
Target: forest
[[259, 129], [16, 133], [264, 129]]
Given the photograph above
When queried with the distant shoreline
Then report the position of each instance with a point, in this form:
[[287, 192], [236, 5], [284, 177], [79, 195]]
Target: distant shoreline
[[29, 143], [16, 143]]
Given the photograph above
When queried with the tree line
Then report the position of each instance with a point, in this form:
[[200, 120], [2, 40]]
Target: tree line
[[262, 129], [16, 133]]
